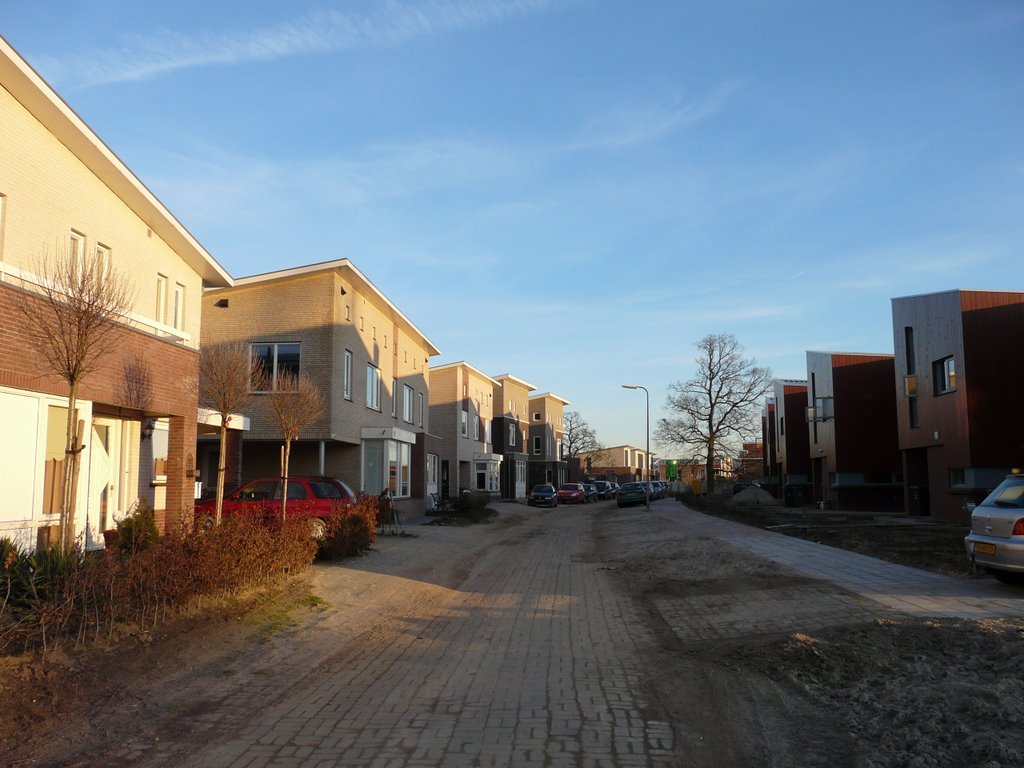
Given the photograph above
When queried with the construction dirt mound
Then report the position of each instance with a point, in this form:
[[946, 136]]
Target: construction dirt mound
[[754, 497]]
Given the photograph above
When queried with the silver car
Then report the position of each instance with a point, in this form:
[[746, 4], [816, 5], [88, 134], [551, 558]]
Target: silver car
[[996, 540]]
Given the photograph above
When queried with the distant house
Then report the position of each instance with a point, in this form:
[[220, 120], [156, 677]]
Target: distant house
[[64, 192], [511, 433], [330, 322], [621, 463], [547, 428], [750, 461], [959, 414], [789, 451], [851, 426], [462, 412]]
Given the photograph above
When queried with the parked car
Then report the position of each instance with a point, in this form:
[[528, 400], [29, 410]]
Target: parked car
[[604, 489], [542, 495], [572, 493], [592, 494], [613, 492], [314, 498], [632, 493], [657, 489], [996, 540]]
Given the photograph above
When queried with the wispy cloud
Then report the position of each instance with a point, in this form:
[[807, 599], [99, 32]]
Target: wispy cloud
[[395, 23], [627, 126]]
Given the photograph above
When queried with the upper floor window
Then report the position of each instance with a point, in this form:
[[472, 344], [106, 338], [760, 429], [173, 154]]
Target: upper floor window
[[372, 387], [407, 403], [346, 375], [161, 298], [102, 262], [512, 432], [476, 427], [487, 431], [278, 361], [536, 445], [178, 307], [419, 409], [76, 248], [536, 416], [944, 374], [465, 424], [394, 398]]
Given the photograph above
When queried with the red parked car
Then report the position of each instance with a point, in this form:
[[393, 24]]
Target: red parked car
[[572, 493], [314, 498]]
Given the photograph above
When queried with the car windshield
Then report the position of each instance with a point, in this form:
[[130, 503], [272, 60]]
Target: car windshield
[[543, 489], [1009, 493], [570, 487], [633, 486]]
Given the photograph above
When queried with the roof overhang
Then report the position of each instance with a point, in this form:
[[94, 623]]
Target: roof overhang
[[468, 367]]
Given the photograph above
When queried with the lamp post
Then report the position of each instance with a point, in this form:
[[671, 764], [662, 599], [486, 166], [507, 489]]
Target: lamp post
[[647, 456]]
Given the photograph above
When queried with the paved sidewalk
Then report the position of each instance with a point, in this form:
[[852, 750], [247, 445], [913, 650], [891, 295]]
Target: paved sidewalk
[[896, 588]]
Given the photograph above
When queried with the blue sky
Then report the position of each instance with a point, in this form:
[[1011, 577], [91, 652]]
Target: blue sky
[[576, 191]]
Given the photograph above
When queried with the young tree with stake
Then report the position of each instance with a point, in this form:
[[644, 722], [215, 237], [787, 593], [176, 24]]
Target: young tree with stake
[[295, 402]]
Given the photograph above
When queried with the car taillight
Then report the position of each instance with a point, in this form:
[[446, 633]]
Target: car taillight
[[1018, 528]]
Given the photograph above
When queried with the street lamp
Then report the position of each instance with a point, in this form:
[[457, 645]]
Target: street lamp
[[647, 457]]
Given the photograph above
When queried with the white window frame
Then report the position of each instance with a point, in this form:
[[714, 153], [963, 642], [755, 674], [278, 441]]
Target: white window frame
[[76, 249], [512, 432], [346, 375], [536, 445], [273, 373], [103, 256], [162, 283], [465, 423], [419, 407], [372, 387], [407, 403], [487, 431], [476, 427], [178, 308], [394, 397]]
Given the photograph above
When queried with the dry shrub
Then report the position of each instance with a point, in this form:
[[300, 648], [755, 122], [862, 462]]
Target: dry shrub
[[57, 594], [351, 528]]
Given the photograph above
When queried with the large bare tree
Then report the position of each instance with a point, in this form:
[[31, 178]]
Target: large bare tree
[[228, 377], [721, 404], [578, 436], [71, 316], [294, 404]]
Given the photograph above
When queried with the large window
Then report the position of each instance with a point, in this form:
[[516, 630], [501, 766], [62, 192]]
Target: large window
[[536, 445], [278, 361], [387, 464], [407, 403], [944, 375], [347, 375], [372, 387]]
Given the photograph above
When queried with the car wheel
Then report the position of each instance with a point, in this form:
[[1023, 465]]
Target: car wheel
[[1008, 577], [317, 528]]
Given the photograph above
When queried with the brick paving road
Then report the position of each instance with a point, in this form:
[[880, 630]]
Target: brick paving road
[[532, 661]]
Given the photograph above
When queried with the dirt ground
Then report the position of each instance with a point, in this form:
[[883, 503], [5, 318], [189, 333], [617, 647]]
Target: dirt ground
[[881, 693]]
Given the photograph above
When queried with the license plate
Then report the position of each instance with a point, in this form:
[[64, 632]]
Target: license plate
[[982, 548]]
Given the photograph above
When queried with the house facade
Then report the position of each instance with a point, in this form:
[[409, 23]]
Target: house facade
[[547, 430], [789, 474], [65, 194], [851, 426], [511, 433], [462, 412], [329, 322], [621, 463], [959, 415]]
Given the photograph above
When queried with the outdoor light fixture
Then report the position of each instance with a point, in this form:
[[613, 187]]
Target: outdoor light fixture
[[647, 457]]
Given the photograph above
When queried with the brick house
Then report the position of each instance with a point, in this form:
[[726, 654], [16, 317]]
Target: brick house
[[787, 445], [547, 429], [851, 425], [958, 407], [462, 414], [328, 321], [621, 463], [63, 192], [511, 433]]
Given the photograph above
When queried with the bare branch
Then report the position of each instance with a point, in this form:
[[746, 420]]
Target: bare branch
[[294, 403], [578, 436]]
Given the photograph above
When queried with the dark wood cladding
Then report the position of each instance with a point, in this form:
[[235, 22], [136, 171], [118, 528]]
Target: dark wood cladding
[[865, 413], [798, 450], [993, 366]]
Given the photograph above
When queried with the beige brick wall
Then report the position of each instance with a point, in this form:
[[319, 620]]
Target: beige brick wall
[[48, 193]]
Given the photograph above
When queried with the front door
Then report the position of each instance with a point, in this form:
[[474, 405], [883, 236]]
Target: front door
[[110, 472]]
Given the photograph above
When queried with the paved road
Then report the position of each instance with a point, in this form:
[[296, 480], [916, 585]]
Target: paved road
[[511, 645]]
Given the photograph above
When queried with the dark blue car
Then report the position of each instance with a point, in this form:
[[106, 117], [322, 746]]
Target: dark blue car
[[543, 495]]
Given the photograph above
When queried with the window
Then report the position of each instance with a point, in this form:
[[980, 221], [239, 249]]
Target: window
[[387, 464], [908, 339], [915, 416], [465, 424], [407, 403], [346, 375], [626, 463], [432, 469], [394, 398], [487, 431], [536, 417], [558, 449], [372, 387], [536, 445], [476, 426], [956, 477], [161, 298], [102, 262], [419, 408], [76, 249], [178, 308], [944, 375], [278, 360], [512, 431]]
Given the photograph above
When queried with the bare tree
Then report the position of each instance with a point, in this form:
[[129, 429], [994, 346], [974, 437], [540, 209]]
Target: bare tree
[[578, 436], [228, 377], [294, 404], [71, 316], [719, 404]]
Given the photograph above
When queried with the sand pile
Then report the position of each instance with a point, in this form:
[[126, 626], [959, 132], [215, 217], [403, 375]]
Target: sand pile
[[754, 497]]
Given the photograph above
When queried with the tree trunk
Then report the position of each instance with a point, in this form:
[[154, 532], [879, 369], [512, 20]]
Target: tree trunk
[[285, 453], [221, 468], [709, 467], [67, 507]]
